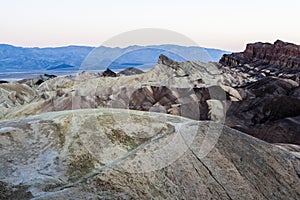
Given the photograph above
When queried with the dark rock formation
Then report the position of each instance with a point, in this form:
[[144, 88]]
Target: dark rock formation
[[270, 108], [280, 54], [42, 78], [280, 59], [109, 73], [32, 82], [144, 98], [131, 71], [3, 81], [269, 111]]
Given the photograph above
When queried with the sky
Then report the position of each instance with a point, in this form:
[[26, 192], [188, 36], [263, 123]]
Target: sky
[[222, 24]]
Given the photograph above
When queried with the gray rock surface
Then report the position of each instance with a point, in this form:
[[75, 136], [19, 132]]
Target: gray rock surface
[[110, 154], [188, 84], [15, 94]]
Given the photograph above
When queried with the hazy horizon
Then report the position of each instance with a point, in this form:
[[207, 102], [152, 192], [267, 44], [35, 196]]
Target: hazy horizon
[[227, 25], [72, 45]]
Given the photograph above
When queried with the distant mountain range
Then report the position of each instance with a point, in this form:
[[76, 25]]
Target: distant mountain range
[[18, 59], [70, 58]]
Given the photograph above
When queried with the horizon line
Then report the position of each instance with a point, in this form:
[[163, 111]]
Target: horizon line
[[112, 47]]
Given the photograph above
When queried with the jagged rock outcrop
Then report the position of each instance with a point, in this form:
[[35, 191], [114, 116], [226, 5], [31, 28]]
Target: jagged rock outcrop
[[184, 89], [259, 60], [164, 60], [15, 94], [280, 54], [108, 153], [35, 82]]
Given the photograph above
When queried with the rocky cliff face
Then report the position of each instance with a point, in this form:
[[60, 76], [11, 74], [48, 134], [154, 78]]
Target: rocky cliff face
[[280, 59], [280, 54]]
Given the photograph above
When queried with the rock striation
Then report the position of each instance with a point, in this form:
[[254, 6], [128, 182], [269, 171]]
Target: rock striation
[[270, 111], [269, 85], [280, 59], [183, 88], [121, 154]]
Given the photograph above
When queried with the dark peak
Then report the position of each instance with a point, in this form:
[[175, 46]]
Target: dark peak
[[280, 43], [109, 73]]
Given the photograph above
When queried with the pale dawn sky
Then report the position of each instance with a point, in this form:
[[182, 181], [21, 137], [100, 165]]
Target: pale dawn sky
[[227, 25]]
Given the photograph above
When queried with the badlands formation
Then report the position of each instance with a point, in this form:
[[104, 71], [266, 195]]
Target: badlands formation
[[185, 130]]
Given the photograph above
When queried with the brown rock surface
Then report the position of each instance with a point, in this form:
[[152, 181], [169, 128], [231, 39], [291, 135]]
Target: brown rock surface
[[280, 53], [280, 59]]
